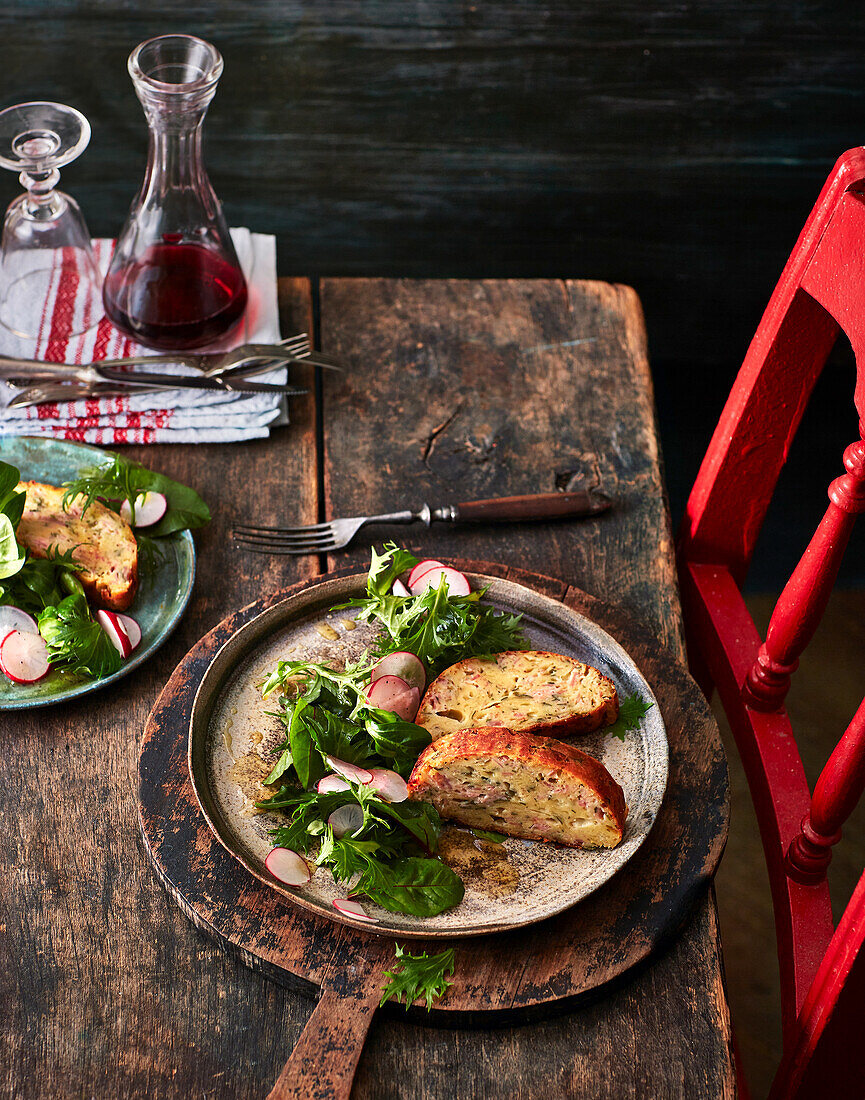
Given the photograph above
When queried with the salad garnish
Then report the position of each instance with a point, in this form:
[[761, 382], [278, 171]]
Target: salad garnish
[[340, 763], [416, 976], [631, 711], [48, 588]]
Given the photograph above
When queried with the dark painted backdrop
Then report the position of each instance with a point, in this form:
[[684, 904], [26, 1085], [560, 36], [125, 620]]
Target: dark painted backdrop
[[675, 146]]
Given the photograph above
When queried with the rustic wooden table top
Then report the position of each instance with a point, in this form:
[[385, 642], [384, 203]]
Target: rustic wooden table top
[[454, 390]]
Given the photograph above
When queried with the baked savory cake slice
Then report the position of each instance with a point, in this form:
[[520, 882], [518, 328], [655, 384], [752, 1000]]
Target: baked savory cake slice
[[101, 542], [522, 690], [522, 785]]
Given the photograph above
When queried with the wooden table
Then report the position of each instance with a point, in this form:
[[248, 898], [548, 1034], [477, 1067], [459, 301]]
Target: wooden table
[[454, 390]]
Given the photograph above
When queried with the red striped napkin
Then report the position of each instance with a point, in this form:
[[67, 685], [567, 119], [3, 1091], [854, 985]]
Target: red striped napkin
[[174, 416]]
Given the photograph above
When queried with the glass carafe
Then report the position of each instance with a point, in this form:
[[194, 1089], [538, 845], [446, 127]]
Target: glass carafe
[[174, 280]]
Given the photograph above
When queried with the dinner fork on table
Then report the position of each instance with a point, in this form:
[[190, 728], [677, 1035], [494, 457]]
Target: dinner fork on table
[[318, 538]]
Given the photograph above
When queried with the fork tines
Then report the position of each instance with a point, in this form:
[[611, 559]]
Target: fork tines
[[317, 538]]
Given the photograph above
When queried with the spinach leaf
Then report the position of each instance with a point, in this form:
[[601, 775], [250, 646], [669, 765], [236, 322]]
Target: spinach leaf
[[396, 740], [11, 555], [11, 509], [421, 887]]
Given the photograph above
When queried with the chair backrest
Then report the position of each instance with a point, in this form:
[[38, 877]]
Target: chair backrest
[[821, 290]]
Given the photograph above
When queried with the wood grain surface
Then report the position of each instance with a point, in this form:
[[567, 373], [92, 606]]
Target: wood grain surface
[[513, 976], [106, 988]]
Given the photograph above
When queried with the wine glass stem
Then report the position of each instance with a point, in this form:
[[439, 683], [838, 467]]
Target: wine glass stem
[[43, 202]]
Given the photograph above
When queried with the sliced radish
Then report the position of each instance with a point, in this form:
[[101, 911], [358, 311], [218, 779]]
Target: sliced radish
[[289, 867], [133, 630], [422, 567], [394, 694], [331, 784], [405, 665], [24, 657], [399, 589], [351, 772], [13, 618], [390, 785], [347, 819], [150, 507], [457, 582], [351, 908], [111, 624]]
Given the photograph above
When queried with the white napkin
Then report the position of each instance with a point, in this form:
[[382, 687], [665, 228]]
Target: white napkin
[[172, 416]]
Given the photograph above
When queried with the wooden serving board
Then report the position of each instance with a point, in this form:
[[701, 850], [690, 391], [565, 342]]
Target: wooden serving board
[[505, 977]]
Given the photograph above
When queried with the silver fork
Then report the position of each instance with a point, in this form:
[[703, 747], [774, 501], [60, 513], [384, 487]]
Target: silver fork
[[319, 538], [246, 359]]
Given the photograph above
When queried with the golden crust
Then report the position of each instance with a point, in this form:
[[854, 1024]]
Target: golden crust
[[101, 542], [534, 692], [496, 747]]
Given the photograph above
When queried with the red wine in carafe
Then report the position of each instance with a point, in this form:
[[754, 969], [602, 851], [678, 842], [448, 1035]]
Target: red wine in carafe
[[175, 296]]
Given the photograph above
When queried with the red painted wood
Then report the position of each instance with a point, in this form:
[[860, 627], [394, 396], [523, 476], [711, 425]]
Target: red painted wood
[[717, 616], [838, 790], [822, 973], [825, 1058], [753, 436], [803, 601]]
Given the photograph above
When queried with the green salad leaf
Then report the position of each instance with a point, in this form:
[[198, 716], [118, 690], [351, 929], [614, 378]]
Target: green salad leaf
[[11, 509], [390, 857], [438, 628], [76, 641], [119, 479], [631, 711], [418, 976]]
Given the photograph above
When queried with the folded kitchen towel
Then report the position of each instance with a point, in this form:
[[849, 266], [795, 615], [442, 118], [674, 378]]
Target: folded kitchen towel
[[171, 416]]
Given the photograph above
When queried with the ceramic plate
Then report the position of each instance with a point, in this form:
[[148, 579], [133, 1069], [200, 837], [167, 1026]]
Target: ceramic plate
[[160, 601], [507, 885]]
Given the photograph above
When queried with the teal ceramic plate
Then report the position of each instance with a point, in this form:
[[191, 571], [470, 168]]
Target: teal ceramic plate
[[160, 601]]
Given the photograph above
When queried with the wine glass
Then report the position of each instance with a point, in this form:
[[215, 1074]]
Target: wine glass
[[45, 240]]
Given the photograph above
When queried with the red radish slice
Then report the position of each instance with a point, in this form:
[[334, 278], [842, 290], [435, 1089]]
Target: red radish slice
[[399, 589], [390, 785], [111, 624], [133, 630], [405, 665], [351, 772], [394, 694], [330, 784], [457, 582], [289, 867], [351, 908], [347, 819], [422, 567], [24, 657], [150, 507], [13, 618]]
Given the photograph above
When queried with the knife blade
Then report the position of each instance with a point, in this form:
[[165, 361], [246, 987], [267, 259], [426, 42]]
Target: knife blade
[[70, 391]]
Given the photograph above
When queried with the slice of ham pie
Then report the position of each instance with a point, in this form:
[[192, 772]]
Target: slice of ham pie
[[523, 690], [522, 785]]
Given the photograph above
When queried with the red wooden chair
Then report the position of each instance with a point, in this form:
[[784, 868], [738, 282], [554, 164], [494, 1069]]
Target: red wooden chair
[[821, 289]]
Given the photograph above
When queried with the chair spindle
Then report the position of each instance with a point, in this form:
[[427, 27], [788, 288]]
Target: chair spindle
[[838, 789], [803, 601]]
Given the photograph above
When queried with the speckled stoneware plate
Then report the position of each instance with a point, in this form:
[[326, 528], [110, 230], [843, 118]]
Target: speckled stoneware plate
[[232, 737], [160, 600]]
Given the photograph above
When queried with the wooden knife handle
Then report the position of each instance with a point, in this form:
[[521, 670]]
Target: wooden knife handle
[[323, 1063], [538, 506]]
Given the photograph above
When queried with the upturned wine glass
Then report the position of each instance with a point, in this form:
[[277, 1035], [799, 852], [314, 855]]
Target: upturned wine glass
[[46, 246]]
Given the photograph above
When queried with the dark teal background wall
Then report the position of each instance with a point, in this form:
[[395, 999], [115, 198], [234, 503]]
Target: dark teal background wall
[[675, 146]]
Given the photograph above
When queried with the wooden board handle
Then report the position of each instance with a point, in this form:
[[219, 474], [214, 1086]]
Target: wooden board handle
[[537, 506], [323, 1063]]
